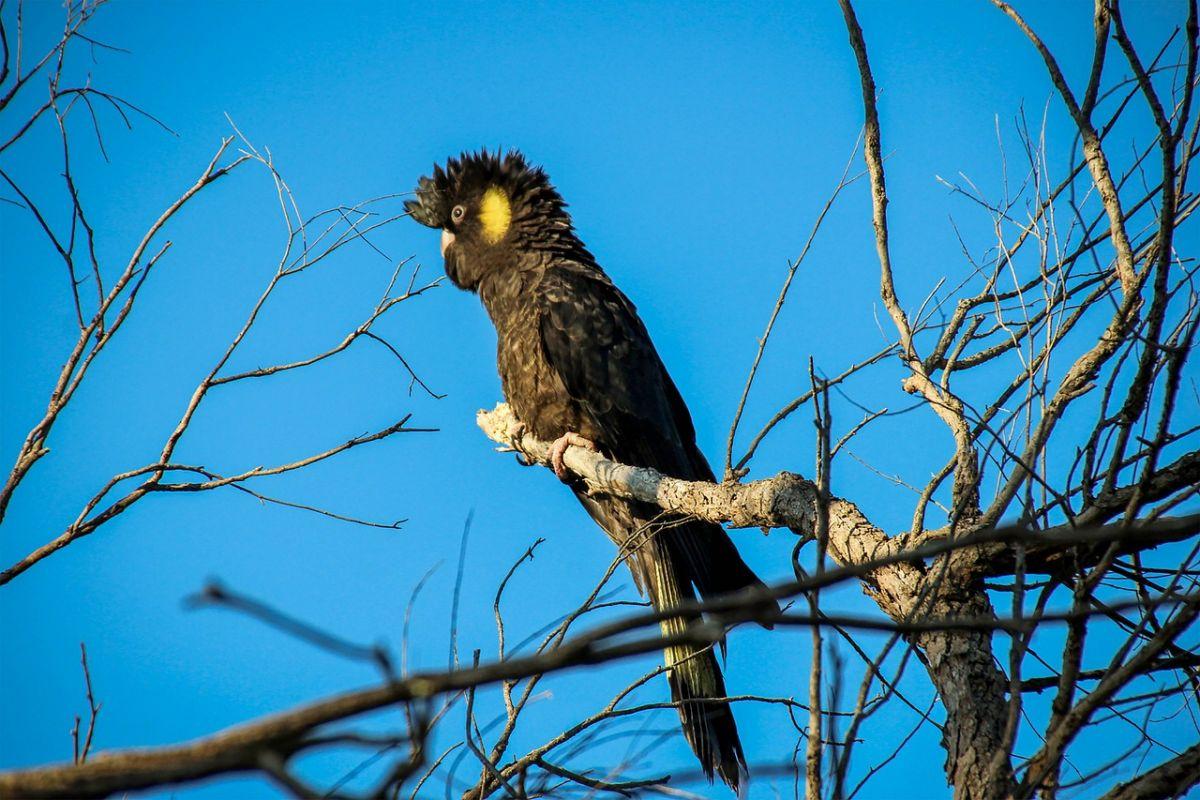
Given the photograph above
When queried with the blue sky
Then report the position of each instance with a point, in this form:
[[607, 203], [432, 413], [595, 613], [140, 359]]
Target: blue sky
[[695, 146]]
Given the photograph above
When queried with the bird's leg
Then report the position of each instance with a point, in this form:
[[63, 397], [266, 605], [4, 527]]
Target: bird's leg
[[559, 449]]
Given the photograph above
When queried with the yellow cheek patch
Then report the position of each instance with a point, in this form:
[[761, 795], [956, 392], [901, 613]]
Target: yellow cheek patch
[[495, 214]]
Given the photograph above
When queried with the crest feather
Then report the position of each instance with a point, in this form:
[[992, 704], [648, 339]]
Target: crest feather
[[470, 176]]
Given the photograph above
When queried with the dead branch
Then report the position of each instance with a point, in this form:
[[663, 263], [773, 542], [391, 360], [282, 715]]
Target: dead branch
[[1171, 779]]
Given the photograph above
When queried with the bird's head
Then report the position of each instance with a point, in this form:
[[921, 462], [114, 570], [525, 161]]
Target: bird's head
[[494, 210]]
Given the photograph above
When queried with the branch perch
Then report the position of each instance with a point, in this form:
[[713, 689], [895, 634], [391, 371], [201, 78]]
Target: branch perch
[[788, 500]]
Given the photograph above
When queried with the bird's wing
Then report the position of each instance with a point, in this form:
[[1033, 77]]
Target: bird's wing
[[595, 342], [599, 347]]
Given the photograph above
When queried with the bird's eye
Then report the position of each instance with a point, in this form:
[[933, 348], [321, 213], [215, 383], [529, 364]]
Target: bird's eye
[[458, 213]]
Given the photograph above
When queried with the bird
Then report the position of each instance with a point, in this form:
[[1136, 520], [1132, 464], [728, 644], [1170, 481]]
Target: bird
[[577, 366]]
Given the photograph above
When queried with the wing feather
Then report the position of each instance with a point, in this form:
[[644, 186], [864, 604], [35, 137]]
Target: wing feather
[[595, 341], [601, 351]]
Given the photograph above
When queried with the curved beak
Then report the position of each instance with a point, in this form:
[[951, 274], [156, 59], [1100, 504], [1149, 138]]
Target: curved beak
[[447, 240]]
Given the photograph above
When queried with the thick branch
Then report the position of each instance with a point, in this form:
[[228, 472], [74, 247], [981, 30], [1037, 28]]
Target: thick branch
[[789, 501], [1171, 779]]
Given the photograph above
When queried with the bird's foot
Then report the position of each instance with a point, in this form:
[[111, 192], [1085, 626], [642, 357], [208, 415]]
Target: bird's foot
[[559, 449], [516, 431]]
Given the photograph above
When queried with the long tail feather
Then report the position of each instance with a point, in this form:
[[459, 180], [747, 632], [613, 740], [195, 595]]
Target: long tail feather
[[697, 686]]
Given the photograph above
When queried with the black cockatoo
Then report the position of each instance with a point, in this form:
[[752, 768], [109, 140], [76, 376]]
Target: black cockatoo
[[576, 364]]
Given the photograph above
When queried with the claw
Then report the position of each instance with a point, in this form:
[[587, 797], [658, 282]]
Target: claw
[[516, 431], [559, 449]]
